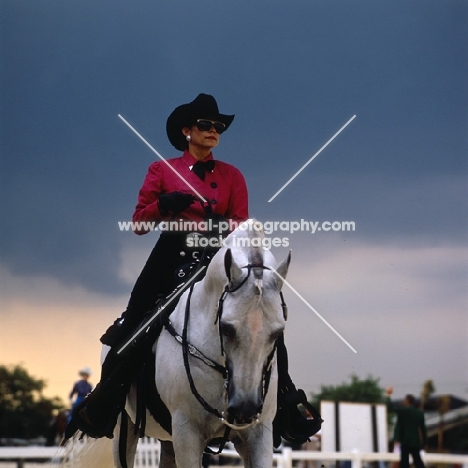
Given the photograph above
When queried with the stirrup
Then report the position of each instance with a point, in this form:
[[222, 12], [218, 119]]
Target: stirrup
[[93, 430], [81, 421], [290, 423]]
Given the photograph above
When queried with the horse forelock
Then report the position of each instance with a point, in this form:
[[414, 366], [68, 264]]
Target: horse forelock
[[259, 286], [256, 262]]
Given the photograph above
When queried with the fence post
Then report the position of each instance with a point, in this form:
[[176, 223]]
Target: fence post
[[287, 457], [356, 460]]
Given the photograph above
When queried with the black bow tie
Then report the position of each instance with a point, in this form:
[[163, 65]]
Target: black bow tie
[[201, 167]]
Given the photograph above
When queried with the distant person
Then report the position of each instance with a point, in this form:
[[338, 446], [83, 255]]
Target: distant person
[[81, 388], [410, 430]]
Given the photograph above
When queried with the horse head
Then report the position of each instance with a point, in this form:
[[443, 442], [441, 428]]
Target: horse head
[[251, 318]]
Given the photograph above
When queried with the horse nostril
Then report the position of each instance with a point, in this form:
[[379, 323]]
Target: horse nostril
[[259, 411], [244, 412]]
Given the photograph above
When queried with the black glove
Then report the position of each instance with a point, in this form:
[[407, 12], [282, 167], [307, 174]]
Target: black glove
[[175, 202]]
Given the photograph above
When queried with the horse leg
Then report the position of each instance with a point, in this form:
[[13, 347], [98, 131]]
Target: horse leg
[[256, 446], [125, 442], [188, 443], [167, 456]]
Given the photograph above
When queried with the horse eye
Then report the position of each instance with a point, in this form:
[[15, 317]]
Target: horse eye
[[228, 330]]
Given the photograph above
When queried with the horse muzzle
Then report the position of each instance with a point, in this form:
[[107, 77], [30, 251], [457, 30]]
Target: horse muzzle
[[243, 412]]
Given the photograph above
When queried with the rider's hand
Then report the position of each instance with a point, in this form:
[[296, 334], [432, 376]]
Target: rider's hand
[[175, 202]]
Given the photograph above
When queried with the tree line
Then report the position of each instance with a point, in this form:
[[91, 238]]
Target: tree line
[[24, 411]]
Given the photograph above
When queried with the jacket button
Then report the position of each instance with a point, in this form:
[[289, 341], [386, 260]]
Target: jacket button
[[213, 184]]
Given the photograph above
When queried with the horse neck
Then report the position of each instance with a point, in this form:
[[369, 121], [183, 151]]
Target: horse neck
[[201, 305], [205, 302]]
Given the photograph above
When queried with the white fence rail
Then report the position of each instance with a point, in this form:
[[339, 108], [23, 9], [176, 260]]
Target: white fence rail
[[148, 456], [286, 458], [20, 455]]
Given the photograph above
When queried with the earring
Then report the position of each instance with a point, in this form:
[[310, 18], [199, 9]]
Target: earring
[[188, 137]]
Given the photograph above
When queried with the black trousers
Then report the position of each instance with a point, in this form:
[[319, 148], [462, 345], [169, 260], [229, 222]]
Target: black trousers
[[405, 452], [162, 273]]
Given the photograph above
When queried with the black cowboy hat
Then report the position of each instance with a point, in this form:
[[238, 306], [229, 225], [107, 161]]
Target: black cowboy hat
[[203, 106]]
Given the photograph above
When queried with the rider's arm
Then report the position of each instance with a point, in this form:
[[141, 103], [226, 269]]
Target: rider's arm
[[147, 209]]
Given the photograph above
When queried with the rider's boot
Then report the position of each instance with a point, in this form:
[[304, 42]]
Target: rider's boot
[[296, 420]]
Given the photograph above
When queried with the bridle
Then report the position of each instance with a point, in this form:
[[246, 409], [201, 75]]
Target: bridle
[[187, 349]]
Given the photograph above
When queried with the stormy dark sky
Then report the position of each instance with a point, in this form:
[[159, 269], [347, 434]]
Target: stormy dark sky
[[293, 72]]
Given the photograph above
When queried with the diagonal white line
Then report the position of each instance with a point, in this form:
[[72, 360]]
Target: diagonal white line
[[162, 159], [312, 158], [314, 311]]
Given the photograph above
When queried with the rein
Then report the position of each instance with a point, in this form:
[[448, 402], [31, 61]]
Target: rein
[[223, 369]]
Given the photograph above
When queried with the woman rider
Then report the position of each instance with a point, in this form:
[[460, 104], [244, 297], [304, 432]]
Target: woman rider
[[167, 195]]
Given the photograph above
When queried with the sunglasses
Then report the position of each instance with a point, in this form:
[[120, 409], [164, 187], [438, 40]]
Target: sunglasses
[[205, 125]]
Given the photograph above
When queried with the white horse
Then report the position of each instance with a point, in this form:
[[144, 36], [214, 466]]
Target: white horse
[[232, 317]]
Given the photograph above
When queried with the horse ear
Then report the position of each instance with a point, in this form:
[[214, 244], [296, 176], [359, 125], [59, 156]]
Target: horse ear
[[228, 263], [231, 268], [282, 271]]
